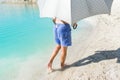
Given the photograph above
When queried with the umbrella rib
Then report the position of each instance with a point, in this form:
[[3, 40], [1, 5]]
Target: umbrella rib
[[88, 7]]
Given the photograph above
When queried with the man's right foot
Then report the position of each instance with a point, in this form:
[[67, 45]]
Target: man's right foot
[[63, 65]]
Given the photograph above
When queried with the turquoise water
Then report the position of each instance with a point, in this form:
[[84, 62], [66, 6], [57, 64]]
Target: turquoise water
[[24, 38], [22, 32]]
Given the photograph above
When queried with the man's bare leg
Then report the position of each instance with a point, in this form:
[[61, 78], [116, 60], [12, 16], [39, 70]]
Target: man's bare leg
[[63, 56], [55, 52]]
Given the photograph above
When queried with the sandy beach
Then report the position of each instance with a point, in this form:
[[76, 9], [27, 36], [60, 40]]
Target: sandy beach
[[96, 56]]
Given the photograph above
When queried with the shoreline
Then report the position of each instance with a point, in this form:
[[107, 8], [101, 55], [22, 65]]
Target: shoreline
[[25, 2], [18, 3]]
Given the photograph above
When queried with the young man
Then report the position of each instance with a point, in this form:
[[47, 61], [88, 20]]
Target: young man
[[62, 33]]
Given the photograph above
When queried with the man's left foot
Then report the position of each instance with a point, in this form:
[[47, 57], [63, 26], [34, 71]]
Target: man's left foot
[[50, 68]]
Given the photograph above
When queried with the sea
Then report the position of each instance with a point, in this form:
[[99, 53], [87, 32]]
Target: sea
[[22, 34]]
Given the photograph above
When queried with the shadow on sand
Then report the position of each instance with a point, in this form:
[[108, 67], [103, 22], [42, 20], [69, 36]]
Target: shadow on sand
[[97, 57]]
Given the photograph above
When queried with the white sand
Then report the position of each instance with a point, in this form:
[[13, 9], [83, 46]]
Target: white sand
[[96, 56]]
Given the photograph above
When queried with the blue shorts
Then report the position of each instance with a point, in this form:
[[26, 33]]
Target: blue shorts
[[62, 34]]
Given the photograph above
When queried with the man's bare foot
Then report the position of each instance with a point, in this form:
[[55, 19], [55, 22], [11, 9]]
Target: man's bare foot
[[50, 67]]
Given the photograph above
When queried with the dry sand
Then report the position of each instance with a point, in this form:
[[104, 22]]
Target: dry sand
[[93, 57], [98, 56]]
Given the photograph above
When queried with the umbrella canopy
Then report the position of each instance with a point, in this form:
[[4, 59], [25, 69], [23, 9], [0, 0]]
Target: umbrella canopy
[[72, 11]]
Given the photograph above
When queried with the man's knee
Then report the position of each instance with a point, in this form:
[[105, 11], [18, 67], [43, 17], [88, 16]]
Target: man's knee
[[58, 47]]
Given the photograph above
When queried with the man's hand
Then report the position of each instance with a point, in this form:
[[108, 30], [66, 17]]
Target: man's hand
[[75, 25]]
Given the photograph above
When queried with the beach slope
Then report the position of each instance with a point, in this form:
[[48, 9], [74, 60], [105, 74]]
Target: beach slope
[[98, 56]]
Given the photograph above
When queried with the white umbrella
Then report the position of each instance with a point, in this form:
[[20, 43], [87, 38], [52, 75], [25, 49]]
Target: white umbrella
[[72, 11]]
